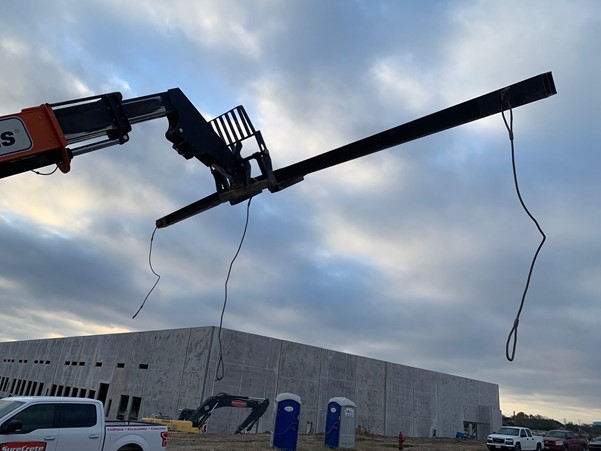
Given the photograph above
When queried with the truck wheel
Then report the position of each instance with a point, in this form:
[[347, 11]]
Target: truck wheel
[[538, 447], [518, 447]]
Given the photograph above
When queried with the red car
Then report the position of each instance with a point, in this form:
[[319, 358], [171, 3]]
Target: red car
[[560, 440]]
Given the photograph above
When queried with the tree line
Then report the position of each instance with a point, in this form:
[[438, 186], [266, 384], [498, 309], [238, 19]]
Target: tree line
[[541, 423]]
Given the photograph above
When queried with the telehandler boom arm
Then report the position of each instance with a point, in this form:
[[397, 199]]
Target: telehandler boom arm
[[45, 135]]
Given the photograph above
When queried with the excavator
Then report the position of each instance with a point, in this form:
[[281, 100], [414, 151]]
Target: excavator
[[55, 133], [200, 415]]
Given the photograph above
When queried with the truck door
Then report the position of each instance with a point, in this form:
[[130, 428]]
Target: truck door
[[530, 442], [32, 428], [80, 428]]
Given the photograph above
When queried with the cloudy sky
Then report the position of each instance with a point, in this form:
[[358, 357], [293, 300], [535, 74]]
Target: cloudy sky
[[416, 255]]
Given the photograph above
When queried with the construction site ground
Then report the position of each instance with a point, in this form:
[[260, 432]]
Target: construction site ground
[[185, 441]]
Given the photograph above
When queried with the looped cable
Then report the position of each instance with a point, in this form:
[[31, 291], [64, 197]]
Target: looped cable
[[506, 103], [45, 173], [513, 333]]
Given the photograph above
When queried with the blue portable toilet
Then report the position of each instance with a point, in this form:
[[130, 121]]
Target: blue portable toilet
[[286, 416], [340, 423]]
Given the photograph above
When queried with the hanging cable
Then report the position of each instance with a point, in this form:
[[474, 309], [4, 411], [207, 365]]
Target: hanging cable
[[153, 271], [513, 334], [220, 370], [45, 173]]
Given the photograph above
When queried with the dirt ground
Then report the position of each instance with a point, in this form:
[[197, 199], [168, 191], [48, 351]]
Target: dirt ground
[[182, 441]]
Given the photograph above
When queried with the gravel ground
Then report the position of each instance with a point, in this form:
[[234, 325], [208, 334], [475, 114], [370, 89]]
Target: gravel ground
[[181, 441]]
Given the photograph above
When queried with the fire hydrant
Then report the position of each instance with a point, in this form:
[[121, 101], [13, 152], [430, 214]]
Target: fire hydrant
[[401, 440]]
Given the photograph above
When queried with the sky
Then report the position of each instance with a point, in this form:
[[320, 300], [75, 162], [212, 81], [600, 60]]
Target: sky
[[416, 255]]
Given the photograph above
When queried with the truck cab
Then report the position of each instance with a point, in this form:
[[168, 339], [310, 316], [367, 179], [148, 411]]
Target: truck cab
[[48, 423]]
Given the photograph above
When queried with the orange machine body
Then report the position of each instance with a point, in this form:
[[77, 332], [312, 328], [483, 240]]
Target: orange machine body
[[32, 132]]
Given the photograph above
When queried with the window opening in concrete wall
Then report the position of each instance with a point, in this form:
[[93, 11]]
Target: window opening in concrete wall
[[18, 386], [81, 363], [108, 408], [53, 390], [143, 366], [67, 362], [28, 389], [73, 363], [22, 389], [92, 394], [82, 393], [40, 388], [98, 363], [12, 387], [47, 362], [59, 391], [135, 408], [471, 428], [103, 392], [123, 401], [74, 392], [120, 365], [33, 388]]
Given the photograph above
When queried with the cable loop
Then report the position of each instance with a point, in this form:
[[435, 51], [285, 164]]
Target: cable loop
[[513, 334]]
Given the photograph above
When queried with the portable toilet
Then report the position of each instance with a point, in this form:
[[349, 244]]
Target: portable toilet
[[340, 423], [286, 417]]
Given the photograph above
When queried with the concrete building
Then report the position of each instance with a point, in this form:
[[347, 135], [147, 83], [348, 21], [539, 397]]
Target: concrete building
[[145, 373]]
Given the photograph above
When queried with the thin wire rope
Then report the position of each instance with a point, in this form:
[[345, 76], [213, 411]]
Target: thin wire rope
[[45, 173], [513, 334], [220, 370], [153, 271]]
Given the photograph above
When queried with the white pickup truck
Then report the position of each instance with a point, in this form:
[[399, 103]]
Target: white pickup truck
[[514, 438], [49, 423]]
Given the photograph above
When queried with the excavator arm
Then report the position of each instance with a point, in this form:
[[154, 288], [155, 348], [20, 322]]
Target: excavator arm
[[199, 416]]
